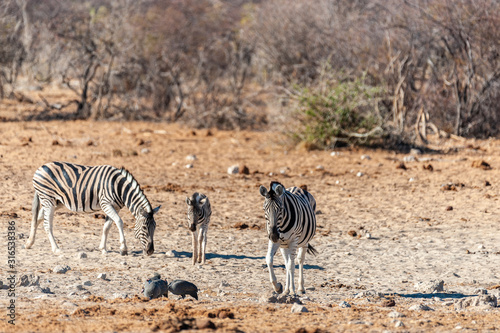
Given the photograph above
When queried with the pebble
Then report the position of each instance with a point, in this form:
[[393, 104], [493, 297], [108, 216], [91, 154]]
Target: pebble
[[395, 314], [28, 280], [191, 157], [398, 323], [344, 305], [366, 157], [433, 286], [59, 269], [87, 283], [334, 153], [419, 307], [102, 276], [144, 151], [170, 254], [320, 167], [233, 169], [360, 174], [415, 151], [409, 158], [81, 255], [297, 308], [189, 166]]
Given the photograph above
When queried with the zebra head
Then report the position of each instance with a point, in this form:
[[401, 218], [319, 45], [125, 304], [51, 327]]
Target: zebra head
[[273, 209], [145, 225], [195, 209]]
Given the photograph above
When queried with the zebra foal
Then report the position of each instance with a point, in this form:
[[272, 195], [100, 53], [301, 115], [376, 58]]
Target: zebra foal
[[291, 224], [199, 212], [87, 189]]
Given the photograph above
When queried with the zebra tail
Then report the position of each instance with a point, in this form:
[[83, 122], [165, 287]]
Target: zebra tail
[[311, 250]]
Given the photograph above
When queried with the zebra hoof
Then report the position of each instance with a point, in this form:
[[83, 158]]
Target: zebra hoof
[[280, 288], [124, 252]]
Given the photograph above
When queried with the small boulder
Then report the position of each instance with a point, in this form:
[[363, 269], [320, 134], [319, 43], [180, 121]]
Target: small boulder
[[297, 308], [59, 269]]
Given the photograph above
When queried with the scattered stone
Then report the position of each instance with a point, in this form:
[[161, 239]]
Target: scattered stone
[[232, 170], [344, 305], [481, 247], [411, 179], [102, 276], [360, 174], [388, 303], [191, 157], [334, 153], [399, 323], [79, 287], [288, 299], [366, 157], [401, 166], [481, 165], [120, 295], [171, 254], [28, 280], [244, 170], [428, 167], [434, 286], [87, 283], [481, 291], [487, 183], [409, 158], [448, 208], [202, 323], [395, 314], [59, 269], [189, 166], [419, 307], [352, 233], [81, 255], [320, 167], [369, 293], [46, 290], [145, 151], [481, 301], [297, 308]]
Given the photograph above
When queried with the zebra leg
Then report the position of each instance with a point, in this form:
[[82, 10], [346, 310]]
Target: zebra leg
[[37, 211], [203, 244], [105, 232], [289, 257], [48, 220], [301, 256], [271, 251], [111, 212], [195, 246]]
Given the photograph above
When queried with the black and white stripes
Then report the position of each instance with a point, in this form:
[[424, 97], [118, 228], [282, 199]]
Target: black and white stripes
[[199, 212], [87, 189], [291, 224]]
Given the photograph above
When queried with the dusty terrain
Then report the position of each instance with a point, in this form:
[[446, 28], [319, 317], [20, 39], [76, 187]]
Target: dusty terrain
[[382, 230]]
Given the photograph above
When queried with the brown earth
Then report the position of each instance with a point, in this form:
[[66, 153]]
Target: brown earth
[[385, 223]]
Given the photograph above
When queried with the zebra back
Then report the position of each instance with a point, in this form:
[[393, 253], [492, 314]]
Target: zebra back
[[83, 188]]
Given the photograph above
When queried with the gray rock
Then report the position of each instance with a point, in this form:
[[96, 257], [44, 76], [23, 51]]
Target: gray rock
[[171, 254], [369, 293], [233, 169], [154, 288], [183, 288], [434, 286], [419, 307], [482, 301], [60, 269], [46, 290], [395, 314], [297, 308], [28, 280], [87, 283], [481, 291], [79, 287], [191, 157], [399, 323], [102, 276], [344, 305], [81, 255]]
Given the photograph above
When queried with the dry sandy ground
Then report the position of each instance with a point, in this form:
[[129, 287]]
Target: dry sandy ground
[[419, 231]]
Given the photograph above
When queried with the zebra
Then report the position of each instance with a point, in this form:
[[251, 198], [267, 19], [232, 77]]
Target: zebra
[[198, 212], [291, 224], [87, 189]]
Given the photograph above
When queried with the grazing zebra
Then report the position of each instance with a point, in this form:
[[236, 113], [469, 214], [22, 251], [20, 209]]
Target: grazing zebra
[[198, 213], [291, 224], [87, 189]]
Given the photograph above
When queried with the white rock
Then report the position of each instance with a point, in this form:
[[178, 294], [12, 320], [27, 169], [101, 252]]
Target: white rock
[[344, 305], [233, 169], [409, 158], [334, 153], [433, 286], [481, 247], [360, 174], [411, 180], [189, 166], [415, 151], [366, 157], [419, 307], [395, 314], [170, 254], [144, 151], [320, 167], [481, 301], [191, 157], [59, 269], [297, 308], [398, 323], [102, 276]]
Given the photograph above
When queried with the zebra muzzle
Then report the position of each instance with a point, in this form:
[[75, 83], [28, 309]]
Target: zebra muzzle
[[274, 236]]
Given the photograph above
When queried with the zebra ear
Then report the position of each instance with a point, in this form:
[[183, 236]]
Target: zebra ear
[[279, 190], [156, 209], [263, 191], [203, 200]]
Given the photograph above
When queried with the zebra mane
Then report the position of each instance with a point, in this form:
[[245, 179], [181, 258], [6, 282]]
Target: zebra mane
[[144, 200]]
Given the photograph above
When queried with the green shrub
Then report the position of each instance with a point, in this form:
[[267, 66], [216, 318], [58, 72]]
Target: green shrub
[[333, 111]]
